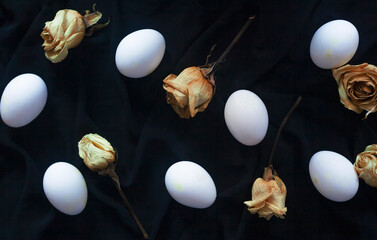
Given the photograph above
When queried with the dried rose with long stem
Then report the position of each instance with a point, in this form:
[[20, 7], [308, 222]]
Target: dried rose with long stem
[[99, 156], [268, 194], [192, 90]]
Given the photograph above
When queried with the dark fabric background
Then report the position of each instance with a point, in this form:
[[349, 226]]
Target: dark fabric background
[[86, 93]]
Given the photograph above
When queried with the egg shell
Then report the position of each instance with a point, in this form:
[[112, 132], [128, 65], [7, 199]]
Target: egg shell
[[246, 117], [65, 188], [23, 99], [190, 184], [333, 176], [334, 44], [139, 53]]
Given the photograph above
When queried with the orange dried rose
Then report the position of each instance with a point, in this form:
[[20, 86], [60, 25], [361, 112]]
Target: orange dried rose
[[357, 86], [189, 92], [366, 165], [192, 90], [268, 196]]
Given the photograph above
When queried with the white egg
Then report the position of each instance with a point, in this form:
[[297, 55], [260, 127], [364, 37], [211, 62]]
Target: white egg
[[65, 188], [333, 176], [139, 53], [23, 100], [334, 44], [190, 184], [246, 117]]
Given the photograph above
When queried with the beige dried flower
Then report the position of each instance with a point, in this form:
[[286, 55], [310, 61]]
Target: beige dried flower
[[66, 31], [192, 90], [366, 165], [357, 86], [268, 196], [99, 156], [96, 152], [189, 92]]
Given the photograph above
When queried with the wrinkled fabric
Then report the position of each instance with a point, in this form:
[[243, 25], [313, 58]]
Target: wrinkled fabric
[[87, 94]]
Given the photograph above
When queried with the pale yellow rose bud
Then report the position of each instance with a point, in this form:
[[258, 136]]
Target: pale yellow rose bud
[[268, 196], [99, 156], [366, 165], [96, 152], [64, 32], [189, 92]]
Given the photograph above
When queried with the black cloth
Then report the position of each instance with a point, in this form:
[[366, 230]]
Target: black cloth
[[87, 94]]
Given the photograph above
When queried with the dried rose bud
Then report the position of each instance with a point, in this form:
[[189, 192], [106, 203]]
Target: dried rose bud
[[189, 92], [99, 156], [357, 86], [66, 31], [268, 196], [366, 165], [96, 151]]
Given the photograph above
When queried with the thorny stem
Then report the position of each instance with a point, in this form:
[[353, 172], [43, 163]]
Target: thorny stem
[[115, 179], [280, 130], [215, 65]]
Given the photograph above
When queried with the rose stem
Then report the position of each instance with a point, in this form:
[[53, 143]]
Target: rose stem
[[280, 130], [231, 45], [115, 179]]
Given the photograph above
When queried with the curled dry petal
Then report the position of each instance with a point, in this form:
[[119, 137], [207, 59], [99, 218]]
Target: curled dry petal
[[268, 198], [65, 31], [357, 86], [189, 92], [96, 152], [366, 165]]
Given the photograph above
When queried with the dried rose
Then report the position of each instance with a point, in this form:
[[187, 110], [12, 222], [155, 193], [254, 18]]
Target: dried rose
[[268, 196], [189, 92], [194, 87], [366, 165], [357, 86], [99, 156], [66, 31], [96, 152]]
